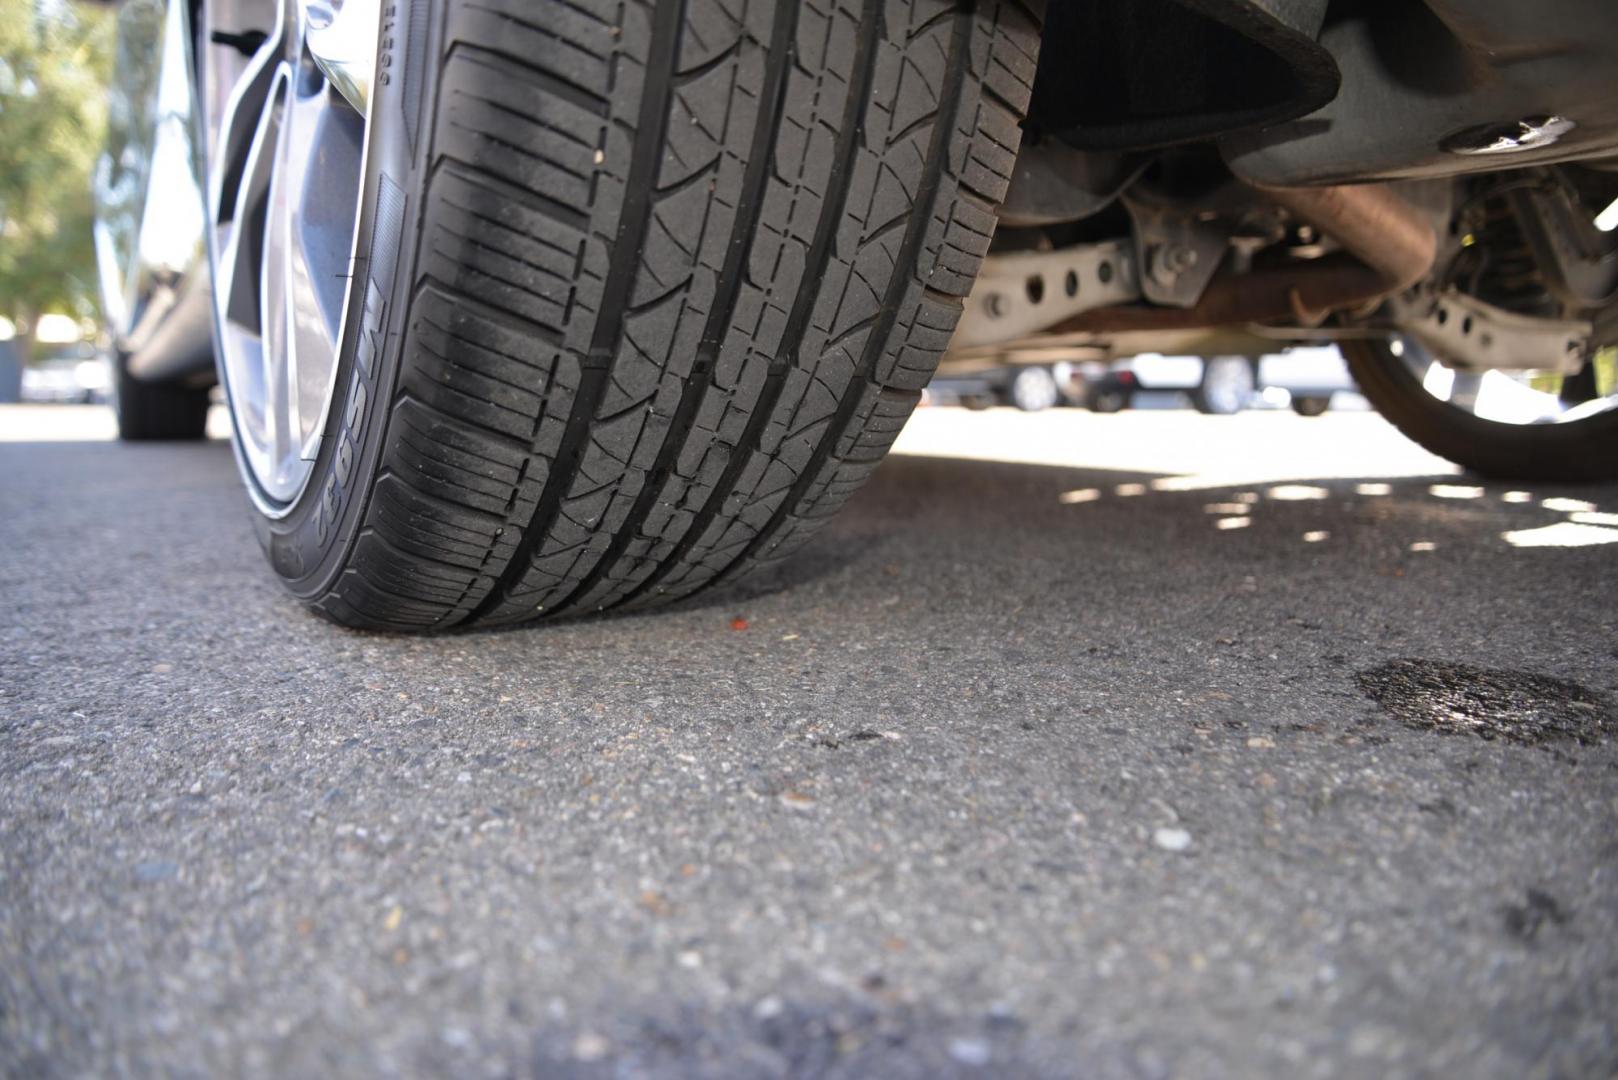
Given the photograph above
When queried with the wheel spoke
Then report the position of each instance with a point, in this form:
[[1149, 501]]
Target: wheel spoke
[[242, 119], [343, 44], [276, 312], [237, 288], [314, 225]]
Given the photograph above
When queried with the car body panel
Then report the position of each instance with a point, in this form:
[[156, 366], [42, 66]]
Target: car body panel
[[1311, 371], [149, 237]]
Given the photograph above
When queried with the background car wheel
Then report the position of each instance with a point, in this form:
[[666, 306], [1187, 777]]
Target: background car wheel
[[647, 289], [157, 411], [1554, 432], [1108, 401], [1033, 389], [1227, 384], [1311, 406]]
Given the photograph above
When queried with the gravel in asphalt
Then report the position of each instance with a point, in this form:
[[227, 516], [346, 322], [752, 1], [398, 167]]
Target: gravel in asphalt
[[1065, 769]]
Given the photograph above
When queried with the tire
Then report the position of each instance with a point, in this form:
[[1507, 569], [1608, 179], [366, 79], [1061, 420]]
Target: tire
[[1109, 401], [651, 290], [152, 412], [1033, 389], [1227, 383], [1311, 406], [1577, 450]]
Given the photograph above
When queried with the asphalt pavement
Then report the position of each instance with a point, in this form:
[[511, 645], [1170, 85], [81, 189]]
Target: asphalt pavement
[[1149, 745]]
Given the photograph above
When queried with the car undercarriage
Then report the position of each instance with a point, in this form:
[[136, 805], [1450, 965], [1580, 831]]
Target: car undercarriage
[[1291, 220]]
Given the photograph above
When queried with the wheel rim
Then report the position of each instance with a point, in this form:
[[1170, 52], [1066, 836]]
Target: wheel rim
[[286, 91], [1035, 390], [1516, 397]]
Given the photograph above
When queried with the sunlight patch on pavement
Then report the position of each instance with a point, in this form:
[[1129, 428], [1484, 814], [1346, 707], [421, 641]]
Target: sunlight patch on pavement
[[1562, 534], [1079, 495], [1178, 449], [57, 423], [1567, 506], [1296, 492], [1455, 491], [79, 423]]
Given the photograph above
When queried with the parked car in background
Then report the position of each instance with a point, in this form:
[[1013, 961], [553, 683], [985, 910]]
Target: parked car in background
[[1222, 385], [1311, 376], [79, 376], [1029, 387]]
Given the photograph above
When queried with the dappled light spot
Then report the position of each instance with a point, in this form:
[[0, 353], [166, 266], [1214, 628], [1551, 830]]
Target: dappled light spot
[[1233, 522], [1424, 545], [1297, 492], [1315, 536], [1562, 534], [1078, 495], [1517, 497], [1373, 489], [1455, 491], [1592, 517], [1567, 506], [1128, 490]]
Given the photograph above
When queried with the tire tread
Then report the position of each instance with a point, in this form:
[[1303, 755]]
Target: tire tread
[[685, 268]]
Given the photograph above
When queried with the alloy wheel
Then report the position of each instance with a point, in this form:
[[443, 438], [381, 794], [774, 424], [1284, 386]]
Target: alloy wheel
[[286, 93], [1517, 397]]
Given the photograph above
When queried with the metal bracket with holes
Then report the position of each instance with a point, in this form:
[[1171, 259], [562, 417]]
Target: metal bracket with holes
[[1021, 293], [1474, 336]]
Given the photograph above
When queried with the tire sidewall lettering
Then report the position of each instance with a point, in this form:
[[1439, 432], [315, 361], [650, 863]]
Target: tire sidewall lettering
[[308, 547], [338, 485]]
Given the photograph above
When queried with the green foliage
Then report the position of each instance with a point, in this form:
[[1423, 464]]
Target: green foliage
[[55, 60]]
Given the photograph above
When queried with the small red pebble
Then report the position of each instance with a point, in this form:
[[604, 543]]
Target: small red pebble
[[738, 623]]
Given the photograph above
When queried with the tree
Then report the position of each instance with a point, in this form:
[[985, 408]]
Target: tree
[[55, 61]]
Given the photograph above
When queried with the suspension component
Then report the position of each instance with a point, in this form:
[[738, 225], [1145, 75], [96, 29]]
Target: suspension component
[[1474, 336]]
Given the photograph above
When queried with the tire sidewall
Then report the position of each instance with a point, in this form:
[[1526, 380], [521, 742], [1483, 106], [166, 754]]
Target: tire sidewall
[[308, 543], [1108, 401], [1311, 406]]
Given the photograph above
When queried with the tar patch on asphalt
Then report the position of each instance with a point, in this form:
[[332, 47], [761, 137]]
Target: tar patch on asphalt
[[1540, 909], [1516, 706]]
